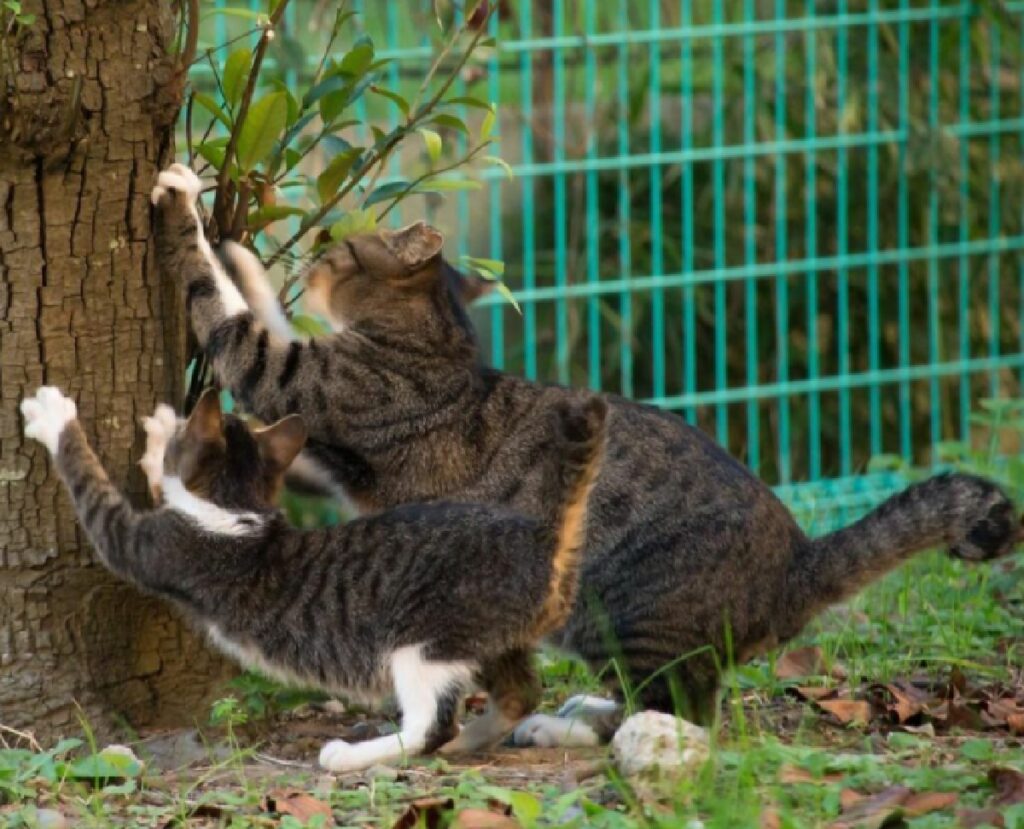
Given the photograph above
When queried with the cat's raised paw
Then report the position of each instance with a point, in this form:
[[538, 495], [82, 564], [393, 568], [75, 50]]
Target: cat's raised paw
[[177, 179], [337, 755], [159, 428], [46, 414]]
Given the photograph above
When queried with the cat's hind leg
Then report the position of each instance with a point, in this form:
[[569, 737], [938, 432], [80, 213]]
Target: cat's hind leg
[[513, 690], [429, 694]]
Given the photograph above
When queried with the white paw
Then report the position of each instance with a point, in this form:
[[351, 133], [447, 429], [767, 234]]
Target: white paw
[[159, 429], [545, 731], [46, 415], [178, 178], [337, 755], [583, 705]]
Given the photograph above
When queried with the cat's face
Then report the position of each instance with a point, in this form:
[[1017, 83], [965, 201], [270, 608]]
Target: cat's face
[[220, 459], [380, 276]]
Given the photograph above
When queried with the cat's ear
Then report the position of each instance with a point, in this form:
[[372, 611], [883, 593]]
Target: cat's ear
[[414, 245], [280, 442], [206, 422]]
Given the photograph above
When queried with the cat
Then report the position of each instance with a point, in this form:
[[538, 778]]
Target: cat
[[691, 561], [395, 601]]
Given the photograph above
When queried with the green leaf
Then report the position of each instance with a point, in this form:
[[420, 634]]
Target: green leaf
[[274, 213], [400, 102], [467, 100], [104, 766], [332, 83], [487, 125], [294, 105], [309, 326], [211, 106], [495, 267], [213, 151], [500, 162], [263, 124], [446, 185], [509, 297], [446, 120], [385, 192], [236, 69], [353, 222], [357, 60], [433, 143], [328, 182]]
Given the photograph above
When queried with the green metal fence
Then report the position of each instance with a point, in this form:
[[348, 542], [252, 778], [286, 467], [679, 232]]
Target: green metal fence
[[798, 224]]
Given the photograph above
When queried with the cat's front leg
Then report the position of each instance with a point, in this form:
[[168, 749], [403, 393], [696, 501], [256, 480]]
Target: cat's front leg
[[183, 250], [429, 693]]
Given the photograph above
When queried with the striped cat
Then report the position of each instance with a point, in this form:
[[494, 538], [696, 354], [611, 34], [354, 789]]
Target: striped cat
[[691, 561], [424, 600]]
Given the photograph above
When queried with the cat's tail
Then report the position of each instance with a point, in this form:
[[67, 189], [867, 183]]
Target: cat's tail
[[969, 515], [583, 432]]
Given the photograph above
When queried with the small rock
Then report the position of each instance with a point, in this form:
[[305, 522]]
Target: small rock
[[333, 706], [122, 751], [50, 819], [381, 773], [656, 745]]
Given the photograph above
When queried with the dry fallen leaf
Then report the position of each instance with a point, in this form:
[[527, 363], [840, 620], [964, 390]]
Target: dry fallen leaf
[[427, 812], [795, 774], [971, 818], [849, 797], [770, 819], [1009, 785], [925, 802], [298, 804], [847, 710], [1015, 722], [483, 819], [903, 700], [873, 811], [799, 663], [814, 692]]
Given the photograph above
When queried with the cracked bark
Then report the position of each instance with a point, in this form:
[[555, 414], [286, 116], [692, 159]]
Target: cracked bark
[[86, 123]]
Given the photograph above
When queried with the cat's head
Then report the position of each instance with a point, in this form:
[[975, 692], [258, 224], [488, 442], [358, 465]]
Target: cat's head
[[218, 458], [396, 279]]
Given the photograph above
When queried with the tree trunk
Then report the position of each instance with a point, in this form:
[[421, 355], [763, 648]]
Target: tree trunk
[[92, 94]]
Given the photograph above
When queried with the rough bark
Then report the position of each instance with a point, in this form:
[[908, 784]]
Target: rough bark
[[87, 121]]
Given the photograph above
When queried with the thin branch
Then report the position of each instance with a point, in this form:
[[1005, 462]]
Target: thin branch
[[431, 174], [220, 207], [380, 156], [188, 54]]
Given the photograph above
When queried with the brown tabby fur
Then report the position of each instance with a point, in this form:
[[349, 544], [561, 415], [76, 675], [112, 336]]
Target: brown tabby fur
[[687, 551]]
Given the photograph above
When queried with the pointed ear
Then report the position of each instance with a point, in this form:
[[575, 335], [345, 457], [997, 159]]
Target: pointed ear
[[472, 286], [205, 422], [414, 244], [280, 442]]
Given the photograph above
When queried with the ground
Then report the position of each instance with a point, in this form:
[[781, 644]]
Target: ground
[[904, 705]]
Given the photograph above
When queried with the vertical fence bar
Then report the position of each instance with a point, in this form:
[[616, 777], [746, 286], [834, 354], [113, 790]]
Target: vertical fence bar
[[874, 329], [781, 239], [623, 209], [994, 207], [529, 261], [903, 233], [964, 264], [689, 292], [718, 184], [592, 231], [494, 190], [811, 243], [561, 263], [395, 164], [842, 242], [750, 238], [657, 246], [934, 400]]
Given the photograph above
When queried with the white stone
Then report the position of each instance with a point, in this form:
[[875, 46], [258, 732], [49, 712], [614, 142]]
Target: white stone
[[656, 745]]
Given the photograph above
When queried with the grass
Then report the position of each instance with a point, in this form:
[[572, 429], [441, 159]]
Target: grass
[[777, 760]]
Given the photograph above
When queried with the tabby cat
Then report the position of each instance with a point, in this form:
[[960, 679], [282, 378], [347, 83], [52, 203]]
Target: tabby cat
[[395, 601], [687, 550]]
